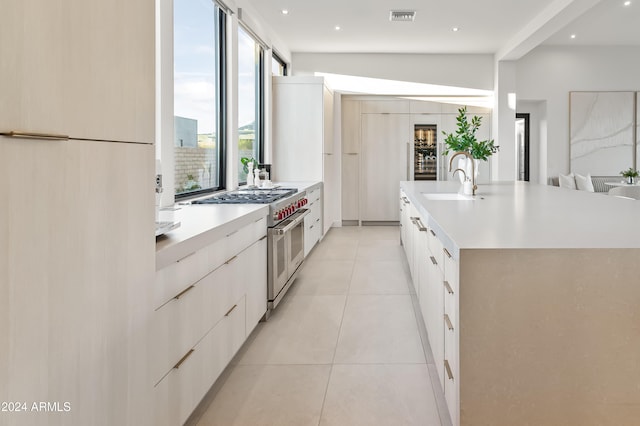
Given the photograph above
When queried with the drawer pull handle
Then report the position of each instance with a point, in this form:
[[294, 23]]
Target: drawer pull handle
[[421, 226], [33, 135], [432, 233], [230, 260], [447, 253], [263, 237], [318, 220], [433, 260], [228, 235], [311, 227], [229, 311], [448, 321], [183, 258], [183, 292], [448, 287], [184, 358], [448, 368]]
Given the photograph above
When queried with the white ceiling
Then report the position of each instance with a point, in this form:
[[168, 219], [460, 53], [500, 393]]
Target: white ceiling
[[508, 28]]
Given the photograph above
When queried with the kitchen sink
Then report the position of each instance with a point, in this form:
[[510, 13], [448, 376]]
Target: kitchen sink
[[447, 196]]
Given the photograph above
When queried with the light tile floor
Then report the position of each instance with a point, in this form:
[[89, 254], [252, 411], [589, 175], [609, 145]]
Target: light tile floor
[[342, 348]]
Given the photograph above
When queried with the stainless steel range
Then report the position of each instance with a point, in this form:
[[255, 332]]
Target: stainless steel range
[[285, 232]]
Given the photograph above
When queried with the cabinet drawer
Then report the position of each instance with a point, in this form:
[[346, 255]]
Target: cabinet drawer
[[180, 391], [180, 323], [451, 397], [314, 195], [451, 377], [435, 246], [451, 271], [314, 214], [236, 241], [178, 276]]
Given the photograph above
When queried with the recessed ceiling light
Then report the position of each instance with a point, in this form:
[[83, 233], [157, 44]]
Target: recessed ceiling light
[[627, 3], [455, 29], [337, 27], [573, 36], [285, 12]]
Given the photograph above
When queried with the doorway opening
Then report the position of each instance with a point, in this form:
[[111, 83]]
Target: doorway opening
[[522, 145]]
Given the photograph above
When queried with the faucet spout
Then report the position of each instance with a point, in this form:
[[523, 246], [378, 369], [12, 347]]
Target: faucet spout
[[473, 169]]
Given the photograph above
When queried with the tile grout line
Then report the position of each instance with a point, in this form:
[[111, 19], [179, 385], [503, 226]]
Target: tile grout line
[[344, 308]]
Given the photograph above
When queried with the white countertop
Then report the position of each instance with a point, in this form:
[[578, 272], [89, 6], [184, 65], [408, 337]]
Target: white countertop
[[528, 216], [201, 224]]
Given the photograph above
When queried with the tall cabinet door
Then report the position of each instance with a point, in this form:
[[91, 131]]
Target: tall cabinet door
[[350, 160], [77, 254], [385, 142], [83, 68]]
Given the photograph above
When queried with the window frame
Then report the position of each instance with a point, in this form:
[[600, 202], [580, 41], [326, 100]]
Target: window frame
[[259, 97], [283, 64], [221, 106]]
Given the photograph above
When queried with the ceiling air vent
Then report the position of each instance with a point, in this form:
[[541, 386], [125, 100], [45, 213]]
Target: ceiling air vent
[[402, 15]]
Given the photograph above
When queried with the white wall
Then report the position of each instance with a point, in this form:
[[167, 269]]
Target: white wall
[[470, 71], [549, 73]]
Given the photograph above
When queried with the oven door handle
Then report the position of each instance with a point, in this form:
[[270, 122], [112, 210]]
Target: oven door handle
[[293, 222]]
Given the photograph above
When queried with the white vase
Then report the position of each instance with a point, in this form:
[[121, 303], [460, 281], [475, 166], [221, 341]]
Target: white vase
[[462, 164], [465, 164]]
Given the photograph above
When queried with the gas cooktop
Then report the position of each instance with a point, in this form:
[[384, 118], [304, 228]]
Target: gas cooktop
[[248, 196]]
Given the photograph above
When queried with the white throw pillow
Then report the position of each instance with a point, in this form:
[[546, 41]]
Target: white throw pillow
[[583, 183], [567, 181]]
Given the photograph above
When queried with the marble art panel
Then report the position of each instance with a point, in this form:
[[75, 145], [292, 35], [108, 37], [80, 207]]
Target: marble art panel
[[637, 163], [601, 126]]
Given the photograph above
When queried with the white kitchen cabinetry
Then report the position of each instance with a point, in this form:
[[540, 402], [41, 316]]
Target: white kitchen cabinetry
[[385, 142], [76, 224], [303, 136], [76, 264], [350, 161], [451, 336], [313, 221], [435, 277], [217, 296], [83, 68], [434, 302]]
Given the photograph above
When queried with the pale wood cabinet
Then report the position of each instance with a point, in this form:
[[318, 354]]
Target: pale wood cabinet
[[385, 142], [350, 161], [303, 128], [76, 263], [83, 68], [218, 296]]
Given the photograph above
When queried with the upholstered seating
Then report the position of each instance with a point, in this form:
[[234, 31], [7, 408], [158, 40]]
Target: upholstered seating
[[626, 191], [598, 182]]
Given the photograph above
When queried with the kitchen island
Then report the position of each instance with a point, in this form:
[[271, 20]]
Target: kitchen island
[[530, 296]]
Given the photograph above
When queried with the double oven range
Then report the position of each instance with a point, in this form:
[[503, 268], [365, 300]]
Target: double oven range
[[285, 253]]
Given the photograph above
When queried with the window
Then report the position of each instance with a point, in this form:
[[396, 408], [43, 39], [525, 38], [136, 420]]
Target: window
[[250, 60], [199, 96], [278, 65]]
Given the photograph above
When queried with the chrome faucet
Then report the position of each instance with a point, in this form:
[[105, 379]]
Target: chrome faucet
[[473, 169]]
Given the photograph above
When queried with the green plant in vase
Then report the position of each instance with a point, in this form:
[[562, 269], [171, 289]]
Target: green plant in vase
[[630, 174], [464, 140], [245, 164]]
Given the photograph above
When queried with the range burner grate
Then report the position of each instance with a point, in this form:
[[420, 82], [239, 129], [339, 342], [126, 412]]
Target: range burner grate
[[248, 196]]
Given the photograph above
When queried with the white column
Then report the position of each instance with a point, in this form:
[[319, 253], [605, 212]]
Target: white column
[[504, 163]]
